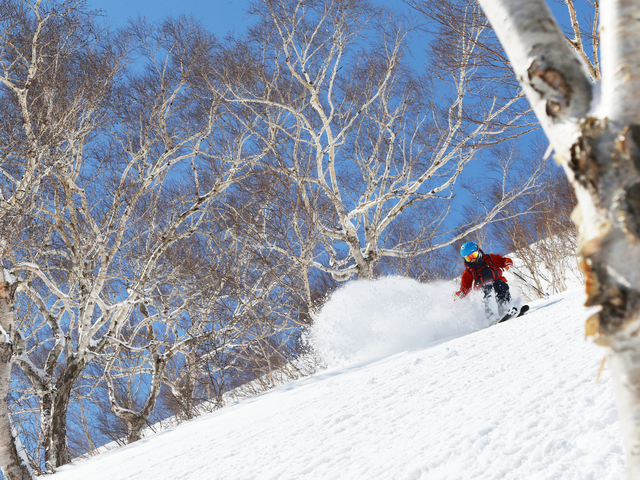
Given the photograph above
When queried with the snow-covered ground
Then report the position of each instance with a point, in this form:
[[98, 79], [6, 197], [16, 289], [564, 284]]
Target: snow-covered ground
[[418, 387]]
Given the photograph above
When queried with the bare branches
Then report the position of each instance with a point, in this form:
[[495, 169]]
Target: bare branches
[[188, 214], [354, 134], [137, 253], [577, 41]]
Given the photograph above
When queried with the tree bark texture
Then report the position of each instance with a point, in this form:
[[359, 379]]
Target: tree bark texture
[[11, 464], [599, 148], [620, 25], [56, 447]]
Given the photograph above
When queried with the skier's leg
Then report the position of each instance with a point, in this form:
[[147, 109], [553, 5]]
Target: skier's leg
[[503, 296], [486, 302]]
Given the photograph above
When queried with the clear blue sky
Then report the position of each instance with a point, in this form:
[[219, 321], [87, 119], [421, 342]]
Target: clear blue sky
[[220, 16]]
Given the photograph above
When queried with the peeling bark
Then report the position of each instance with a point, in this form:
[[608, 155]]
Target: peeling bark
[[548, 69], [551, 84], [601, 156]]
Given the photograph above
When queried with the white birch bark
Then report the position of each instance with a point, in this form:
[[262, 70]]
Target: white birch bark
[[621, 61], [598, 146], [18, 78], [11, 462]]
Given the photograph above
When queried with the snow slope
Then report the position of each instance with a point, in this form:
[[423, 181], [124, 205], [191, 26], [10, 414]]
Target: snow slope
[[417, 388]]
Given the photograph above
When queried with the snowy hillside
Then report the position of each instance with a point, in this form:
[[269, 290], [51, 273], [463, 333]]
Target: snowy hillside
[[417, 388]]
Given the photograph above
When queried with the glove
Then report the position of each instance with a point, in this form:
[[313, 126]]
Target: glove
[[507, 264]]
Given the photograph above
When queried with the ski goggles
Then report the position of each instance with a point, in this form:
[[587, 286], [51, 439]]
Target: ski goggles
[[472, 256]]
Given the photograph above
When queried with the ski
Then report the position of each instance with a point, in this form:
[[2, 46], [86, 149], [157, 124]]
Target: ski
[[514, 312]]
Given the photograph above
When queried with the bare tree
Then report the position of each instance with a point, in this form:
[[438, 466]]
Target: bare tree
[[353, 130], [596, 139], [46, 112], [137, 200], [112, 214], [232, 326], [544, 241]]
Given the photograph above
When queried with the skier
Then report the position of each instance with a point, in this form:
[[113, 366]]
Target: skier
[[484, 271]]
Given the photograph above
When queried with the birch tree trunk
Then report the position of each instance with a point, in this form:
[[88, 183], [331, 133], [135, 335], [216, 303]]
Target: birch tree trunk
[[599, 148], [56, 448], [13, 467]]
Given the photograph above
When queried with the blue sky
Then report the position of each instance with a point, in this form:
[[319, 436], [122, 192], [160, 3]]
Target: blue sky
[[220, 16]]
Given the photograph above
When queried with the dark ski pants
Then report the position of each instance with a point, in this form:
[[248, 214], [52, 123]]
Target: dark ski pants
[[503, 297]]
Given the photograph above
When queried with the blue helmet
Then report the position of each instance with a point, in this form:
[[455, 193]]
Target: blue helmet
[[468, 248]]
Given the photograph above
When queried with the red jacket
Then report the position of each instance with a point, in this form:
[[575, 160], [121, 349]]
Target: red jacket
[[473, 272]]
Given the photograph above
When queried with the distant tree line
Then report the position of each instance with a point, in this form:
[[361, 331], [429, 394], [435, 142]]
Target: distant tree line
[[175, 207]]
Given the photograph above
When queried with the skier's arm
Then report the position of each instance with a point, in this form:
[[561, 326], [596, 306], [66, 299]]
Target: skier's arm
[[501, 262], [466, 283]]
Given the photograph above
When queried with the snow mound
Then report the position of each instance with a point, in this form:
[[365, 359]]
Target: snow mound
[[365, 321]]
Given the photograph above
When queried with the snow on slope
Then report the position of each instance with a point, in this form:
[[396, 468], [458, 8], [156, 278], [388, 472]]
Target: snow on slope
[[514, 401]]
